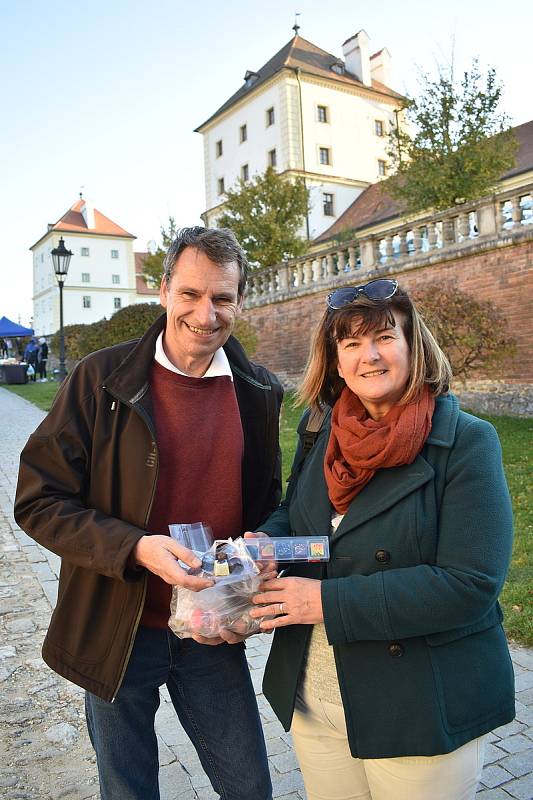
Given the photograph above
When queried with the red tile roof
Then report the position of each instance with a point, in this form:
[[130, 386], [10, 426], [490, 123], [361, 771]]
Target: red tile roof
[[74, 222], [312, 60], [375, 205]]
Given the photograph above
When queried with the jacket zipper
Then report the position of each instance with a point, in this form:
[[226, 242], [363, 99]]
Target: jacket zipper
[[137, 620]]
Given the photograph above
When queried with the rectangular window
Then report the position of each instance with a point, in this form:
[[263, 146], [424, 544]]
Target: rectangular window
[[218, 148], [327, 204], [117, 302], [115, 278], [114, 253], [378, 127], [382, 168], [270, 118], [86, 301], [324, 155], [85, 251], [220, 185], [243, 133], [322, 113], [272, 158], [245, 172], [85, 277]]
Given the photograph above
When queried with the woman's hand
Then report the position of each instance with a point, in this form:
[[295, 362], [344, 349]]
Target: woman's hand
[[296, 601]]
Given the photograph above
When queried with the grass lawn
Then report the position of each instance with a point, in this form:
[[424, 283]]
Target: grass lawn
[[516, 435], [42, 394]]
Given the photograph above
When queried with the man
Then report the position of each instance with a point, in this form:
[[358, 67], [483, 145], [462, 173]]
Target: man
[[175, 427]]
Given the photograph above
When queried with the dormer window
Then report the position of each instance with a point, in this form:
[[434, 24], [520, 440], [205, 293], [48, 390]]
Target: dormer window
[[250, 78], [338, 67]]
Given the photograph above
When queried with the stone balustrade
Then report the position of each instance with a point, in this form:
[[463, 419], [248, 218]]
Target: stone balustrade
[[398, 247]]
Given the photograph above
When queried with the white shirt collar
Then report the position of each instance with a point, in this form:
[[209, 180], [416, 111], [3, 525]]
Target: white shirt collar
[[218, 366]]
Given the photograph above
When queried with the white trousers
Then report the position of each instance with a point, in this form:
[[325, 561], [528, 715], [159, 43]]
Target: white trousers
[[331, 773]]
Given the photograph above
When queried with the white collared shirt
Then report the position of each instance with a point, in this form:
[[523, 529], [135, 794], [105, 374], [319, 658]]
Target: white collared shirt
[[218, 366]]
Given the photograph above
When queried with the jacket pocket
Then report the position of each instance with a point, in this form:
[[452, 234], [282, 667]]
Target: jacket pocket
[[473, 676]]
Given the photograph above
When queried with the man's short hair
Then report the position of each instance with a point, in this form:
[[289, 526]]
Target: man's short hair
[[218, 244]]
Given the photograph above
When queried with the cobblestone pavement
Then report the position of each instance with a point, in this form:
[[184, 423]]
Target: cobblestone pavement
[[44, 748]]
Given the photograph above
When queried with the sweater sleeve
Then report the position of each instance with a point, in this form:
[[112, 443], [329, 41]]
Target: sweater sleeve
[[473, 554]]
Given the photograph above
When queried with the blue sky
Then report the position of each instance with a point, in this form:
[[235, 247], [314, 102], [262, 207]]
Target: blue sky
[[106, 95]]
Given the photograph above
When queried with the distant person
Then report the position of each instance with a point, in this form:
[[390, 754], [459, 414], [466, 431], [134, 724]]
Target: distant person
[[42, 358], [178, 426], [390, 665], [30, 357], [4, 353], [9, 346]]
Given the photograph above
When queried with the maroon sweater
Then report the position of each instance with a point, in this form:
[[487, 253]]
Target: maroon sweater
[[200, 443]]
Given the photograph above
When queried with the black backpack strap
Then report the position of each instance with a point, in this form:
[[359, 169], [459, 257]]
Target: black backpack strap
[[314, 424]]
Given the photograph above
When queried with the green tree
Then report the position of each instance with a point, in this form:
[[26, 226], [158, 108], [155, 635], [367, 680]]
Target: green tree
[[266, 215], [153, 262], [461, 142], [473, 333]]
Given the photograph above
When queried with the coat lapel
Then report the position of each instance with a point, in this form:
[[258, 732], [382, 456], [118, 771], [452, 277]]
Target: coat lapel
[[387, 487]]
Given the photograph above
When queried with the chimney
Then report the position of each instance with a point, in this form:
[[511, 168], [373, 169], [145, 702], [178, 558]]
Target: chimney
[[355, 52], [380, 67], [87, 211]]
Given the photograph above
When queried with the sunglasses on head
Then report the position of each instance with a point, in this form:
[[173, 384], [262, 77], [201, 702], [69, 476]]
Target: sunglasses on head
[[380, 289]]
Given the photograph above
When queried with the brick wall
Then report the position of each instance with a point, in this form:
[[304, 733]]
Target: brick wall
[[503, 274]]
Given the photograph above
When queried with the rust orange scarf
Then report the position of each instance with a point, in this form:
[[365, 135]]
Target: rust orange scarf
[[359, 445]]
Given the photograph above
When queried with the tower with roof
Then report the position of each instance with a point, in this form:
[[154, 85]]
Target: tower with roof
[[103, 275], [305, 112]]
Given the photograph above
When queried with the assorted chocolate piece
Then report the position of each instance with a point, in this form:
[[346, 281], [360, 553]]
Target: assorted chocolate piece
[[289, 548]]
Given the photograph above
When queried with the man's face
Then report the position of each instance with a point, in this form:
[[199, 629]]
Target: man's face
[[202, 302]]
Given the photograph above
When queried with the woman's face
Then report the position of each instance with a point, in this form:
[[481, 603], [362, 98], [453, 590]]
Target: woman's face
[[375, 366]]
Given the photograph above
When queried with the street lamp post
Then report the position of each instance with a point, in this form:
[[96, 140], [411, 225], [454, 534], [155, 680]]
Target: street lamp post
[[61, 260]]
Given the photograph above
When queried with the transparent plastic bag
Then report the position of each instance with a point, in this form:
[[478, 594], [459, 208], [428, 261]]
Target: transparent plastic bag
[[227, 604]]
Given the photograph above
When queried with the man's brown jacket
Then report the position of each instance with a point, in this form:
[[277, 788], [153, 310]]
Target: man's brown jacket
[[85, 489]]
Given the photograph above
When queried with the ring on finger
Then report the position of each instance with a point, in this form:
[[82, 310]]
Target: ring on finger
[[281, 611]]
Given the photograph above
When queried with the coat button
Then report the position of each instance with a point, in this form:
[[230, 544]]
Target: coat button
[[383, 556], [396, 650]]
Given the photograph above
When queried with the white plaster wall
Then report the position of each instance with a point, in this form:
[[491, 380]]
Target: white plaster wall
[[254, 151], [343, 196], [102, 291], [349, 133]]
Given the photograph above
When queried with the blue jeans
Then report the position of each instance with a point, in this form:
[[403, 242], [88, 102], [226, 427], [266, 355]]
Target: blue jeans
[[211, 690]]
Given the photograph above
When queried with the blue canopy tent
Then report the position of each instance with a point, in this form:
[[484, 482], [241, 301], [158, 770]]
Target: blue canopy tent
[[11, 329]]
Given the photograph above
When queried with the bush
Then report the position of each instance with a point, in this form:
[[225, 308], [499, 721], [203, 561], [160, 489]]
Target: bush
[[472, 333], [130, 322]]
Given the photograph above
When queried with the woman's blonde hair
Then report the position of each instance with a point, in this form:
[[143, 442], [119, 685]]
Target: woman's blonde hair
[[322, 383]]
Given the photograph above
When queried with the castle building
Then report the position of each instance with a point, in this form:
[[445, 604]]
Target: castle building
[[306, 113], [104, 275]]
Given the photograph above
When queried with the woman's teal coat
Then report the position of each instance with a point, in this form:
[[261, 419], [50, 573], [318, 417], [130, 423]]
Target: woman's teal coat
[[409, 594]]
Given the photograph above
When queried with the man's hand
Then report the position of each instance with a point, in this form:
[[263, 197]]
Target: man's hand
[[225, 636], [160, 554]]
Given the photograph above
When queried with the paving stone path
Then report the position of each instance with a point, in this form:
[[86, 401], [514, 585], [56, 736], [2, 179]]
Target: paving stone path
[[45, 752]]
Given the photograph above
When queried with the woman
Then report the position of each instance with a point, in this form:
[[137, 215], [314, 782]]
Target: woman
[[390, 664]]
